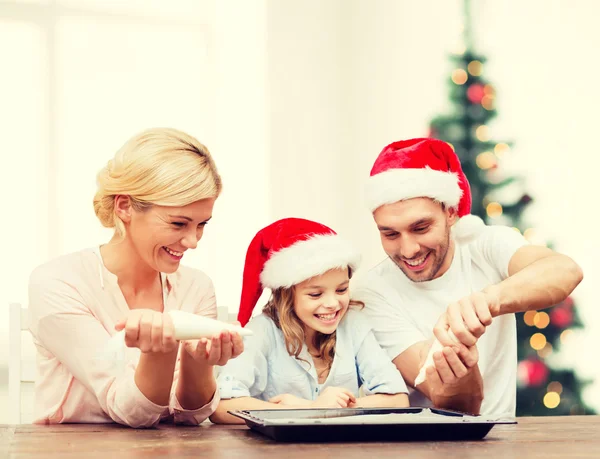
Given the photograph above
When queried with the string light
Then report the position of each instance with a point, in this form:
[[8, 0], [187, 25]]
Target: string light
[[516, 229], [501, 149], [555, 386], [551, 400], [485, 160], [459, 76], [565, 336], [541, 320], [529, 233], [528, 318], [475, 68], [545, 351], [487, 102], [537, 341], [493, 176], [483, 133], [494, 210], [534, 237], [489, 90]]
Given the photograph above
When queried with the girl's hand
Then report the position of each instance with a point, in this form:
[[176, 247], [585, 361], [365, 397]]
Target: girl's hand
[[334, 397], [217, 350], [150, 331], [290, 400]]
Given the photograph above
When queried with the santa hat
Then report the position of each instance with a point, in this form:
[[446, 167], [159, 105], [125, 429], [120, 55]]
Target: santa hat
[[427, 168], [288, 252]]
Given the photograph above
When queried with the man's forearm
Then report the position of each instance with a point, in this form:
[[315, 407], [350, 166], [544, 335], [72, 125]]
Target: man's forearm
[[541, 284]]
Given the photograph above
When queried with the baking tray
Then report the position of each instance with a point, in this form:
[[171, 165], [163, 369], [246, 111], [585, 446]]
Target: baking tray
[[368, 424]]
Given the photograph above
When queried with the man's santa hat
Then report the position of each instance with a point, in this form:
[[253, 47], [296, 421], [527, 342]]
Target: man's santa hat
[[288, 252], [418, 168]]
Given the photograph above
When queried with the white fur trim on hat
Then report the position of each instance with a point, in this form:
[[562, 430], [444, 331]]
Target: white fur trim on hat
[[398, 184], [309, 258], [467, 228]]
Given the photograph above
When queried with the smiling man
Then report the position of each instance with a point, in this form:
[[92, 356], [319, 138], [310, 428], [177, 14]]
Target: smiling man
[[448, 272]]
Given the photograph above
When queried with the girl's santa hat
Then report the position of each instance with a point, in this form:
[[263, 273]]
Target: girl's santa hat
[[428, 168], [288, 252]]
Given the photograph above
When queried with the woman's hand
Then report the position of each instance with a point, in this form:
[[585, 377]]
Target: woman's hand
[[150, 331], [217, 350]]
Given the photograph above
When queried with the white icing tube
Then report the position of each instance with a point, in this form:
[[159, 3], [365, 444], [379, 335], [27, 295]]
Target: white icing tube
[[187, 326], [192, 326], [435, 347]]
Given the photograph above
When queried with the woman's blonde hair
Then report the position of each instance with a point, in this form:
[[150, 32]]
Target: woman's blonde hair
[[159, 166], [280, 308]]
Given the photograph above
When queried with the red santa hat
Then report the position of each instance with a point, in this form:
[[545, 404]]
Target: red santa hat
[[288, 252], [428, 168]]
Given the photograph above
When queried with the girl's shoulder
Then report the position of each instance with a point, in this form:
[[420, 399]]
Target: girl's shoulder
[[265, 331], [355, 317], [355, 325]]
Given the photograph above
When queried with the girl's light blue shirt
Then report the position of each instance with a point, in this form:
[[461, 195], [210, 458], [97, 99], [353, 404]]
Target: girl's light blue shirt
[[265, 369]]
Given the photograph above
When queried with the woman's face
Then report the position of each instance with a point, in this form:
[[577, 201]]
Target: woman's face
[[160, 235], [321, 302]]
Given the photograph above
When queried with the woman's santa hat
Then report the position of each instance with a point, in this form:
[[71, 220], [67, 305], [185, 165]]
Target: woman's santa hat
[[423, 168], [288, 252]]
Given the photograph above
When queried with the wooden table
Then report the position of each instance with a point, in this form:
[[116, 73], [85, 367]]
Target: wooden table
[[547, 437]]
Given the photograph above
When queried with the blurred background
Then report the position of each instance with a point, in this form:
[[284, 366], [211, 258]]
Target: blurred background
[[295, 100]]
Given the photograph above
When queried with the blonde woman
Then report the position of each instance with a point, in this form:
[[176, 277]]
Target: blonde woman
[[309, 349], [158, 194]]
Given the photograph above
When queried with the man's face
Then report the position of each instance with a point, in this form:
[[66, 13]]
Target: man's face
[[415, 234]]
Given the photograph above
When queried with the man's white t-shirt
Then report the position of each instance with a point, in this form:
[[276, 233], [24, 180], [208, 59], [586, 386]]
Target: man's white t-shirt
[[403, 312]]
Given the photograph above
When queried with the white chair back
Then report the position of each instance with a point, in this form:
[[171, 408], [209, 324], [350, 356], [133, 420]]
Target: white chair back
[[224, 315], [19, 370]]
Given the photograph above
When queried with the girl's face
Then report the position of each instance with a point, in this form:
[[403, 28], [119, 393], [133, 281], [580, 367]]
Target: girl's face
[[160, 235], [321, 302]]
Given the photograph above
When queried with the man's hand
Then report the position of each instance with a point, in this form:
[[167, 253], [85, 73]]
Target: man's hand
[[467, 318], [455, 382]]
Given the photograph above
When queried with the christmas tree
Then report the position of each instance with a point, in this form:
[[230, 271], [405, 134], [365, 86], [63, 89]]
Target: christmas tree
[[542, 390]]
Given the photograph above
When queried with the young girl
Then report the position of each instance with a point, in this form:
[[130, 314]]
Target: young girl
[[158, 194], [308, 349]]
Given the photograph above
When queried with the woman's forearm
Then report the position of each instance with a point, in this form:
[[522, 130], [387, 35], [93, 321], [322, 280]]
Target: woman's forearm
[[154, 376], [196, 385]]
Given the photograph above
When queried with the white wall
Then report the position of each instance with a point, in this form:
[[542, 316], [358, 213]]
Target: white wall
[[295, 100]]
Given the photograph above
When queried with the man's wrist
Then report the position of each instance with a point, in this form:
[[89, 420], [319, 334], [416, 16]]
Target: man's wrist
[[494, 299]]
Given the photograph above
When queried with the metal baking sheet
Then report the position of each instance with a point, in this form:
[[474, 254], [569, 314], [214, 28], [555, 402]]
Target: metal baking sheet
[[368, 424]]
